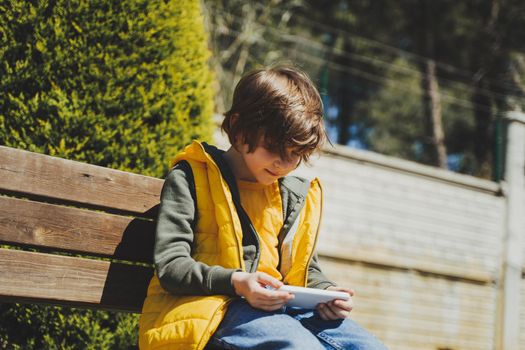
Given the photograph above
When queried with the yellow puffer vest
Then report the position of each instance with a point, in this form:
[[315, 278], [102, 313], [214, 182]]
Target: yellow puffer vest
[[187, 322]]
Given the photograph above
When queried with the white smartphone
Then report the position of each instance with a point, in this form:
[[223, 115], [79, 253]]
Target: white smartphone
[[308, 298]]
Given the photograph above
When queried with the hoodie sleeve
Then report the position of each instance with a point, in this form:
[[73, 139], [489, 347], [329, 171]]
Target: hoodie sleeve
[[177, 271], [316, 278]]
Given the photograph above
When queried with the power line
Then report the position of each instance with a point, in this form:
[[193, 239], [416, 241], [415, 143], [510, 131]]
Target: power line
[[443, 66], [399, 68], [372, 77], [362, 58], [380, 80]]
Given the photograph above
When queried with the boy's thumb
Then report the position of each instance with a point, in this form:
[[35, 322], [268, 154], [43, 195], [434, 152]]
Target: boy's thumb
[[268, 280]]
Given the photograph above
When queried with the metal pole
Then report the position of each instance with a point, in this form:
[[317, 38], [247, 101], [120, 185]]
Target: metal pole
[[508, 308]]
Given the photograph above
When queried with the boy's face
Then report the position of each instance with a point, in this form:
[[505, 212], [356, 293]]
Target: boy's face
[[266, 166]]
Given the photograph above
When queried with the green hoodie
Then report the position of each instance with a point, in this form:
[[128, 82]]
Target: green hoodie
[[177, 271]]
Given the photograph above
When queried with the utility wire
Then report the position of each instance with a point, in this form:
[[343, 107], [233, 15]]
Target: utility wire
[[415, 72], [415, 56], [380, 80], [365, 59], [369, 76], [443, 66]]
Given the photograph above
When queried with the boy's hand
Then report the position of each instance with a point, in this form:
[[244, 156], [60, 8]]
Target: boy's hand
[[251, 286], [336, 309]]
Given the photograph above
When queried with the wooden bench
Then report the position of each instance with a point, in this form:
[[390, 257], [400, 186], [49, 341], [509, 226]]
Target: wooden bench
[[77, 234]]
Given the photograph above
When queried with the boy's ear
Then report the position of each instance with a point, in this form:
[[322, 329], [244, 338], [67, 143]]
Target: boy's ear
[[233, 119]]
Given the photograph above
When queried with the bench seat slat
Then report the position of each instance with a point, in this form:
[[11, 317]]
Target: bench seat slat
[[41, 175], [64, 280], [25, 222]]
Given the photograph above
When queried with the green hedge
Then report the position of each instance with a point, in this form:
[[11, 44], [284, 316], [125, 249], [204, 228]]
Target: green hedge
[[25, 327], [122, 84]]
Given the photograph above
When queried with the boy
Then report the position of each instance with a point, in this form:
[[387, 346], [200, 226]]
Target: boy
[[232, 224]]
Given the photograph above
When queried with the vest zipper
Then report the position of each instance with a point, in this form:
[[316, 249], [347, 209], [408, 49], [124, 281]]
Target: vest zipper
[[257, 248], [285, 233]]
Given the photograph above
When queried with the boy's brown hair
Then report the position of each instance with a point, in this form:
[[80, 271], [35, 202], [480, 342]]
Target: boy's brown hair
[[280, 105]]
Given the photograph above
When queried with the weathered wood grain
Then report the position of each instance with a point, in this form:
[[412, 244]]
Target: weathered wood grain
[[37, 174], [37, 277], [25, 222]]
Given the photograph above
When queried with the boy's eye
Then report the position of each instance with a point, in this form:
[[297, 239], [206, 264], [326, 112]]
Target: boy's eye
[[293, 156]]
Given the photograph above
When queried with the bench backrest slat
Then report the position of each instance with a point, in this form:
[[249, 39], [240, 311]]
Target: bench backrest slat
[[37, 277], [74, 233], [36, 174], [51, 226]]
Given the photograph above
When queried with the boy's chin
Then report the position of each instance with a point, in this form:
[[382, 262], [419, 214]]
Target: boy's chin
[[267, 180]]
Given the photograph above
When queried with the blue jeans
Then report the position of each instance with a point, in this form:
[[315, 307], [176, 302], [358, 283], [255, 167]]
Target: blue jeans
[[245, 327]]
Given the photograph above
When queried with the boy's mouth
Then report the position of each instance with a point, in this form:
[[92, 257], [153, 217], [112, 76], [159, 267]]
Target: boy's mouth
[[272, 173]]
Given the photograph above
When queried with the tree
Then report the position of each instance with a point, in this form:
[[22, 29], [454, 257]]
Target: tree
[[464, 58], [463, 53], [434, 136], [245, 35]]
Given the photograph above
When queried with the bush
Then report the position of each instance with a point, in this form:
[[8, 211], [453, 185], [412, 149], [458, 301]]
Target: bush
[[50, 327], [122, 84]]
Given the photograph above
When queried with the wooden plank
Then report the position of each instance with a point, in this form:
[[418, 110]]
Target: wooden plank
[[64, 280], [37, 174], [24, 222]]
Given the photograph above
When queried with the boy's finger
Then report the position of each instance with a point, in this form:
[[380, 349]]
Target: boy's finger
[[270, 308], [343, 289], [343, 304], [322, 312], [339, 312], [323, 316], [266, 279], [332, 312], [267, 304], [273, 305], [349, 291], [275, 295], [328, 312], [281, 296]]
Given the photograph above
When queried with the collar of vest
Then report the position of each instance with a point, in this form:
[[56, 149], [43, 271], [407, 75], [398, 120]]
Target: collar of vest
[[293, 189]]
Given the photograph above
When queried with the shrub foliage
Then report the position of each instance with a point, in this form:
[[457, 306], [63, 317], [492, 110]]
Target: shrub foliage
[[122, 84]]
